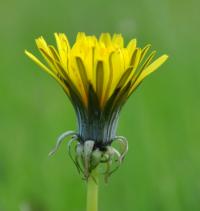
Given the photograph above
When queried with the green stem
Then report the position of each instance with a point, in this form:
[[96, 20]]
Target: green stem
[[92, 192]]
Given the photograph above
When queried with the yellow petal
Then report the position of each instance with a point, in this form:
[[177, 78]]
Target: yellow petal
[[63, 48], [144, 51], [135, 59], [80, 36], [152, 67], [106, 39], [131, 47], [54, 52], [37, 61], [116, 69], [148, 60], [148, 70], [118, 40], [46, 53]]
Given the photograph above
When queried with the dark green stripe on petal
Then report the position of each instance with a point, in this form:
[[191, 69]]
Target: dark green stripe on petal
[[99, 79], [83, 73], [124, 78]]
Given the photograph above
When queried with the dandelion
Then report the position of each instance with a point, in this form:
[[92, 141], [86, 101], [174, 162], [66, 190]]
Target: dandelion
[[98, 76]]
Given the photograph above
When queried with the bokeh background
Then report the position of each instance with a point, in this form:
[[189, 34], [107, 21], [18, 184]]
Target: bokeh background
[[161, 120]]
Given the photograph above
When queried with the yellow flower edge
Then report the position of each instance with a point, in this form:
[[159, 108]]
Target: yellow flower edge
[[104, 63]]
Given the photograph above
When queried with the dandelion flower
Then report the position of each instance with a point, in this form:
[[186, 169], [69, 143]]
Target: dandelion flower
[[98, 75]]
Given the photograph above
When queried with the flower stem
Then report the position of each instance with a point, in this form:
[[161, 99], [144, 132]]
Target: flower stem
[[92, 192]]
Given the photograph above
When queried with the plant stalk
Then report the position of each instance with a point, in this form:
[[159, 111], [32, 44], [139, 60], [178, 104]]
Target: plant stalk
[[92, 192]]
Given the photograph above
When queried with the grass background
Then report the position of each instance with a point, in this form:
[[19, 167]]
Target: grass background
[[161, 120]]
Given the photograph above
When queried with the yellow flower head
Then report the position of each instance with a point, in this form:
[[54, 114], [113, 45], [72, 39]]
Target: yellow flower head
[[98, 75]]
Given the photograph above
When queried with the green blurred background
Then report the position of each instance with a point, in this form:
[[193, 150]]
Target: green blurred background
[[161, 120]]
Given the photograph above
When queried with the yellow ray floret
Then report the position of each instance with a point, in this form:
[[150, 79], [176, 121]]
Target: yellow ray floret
[[105, 64]]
